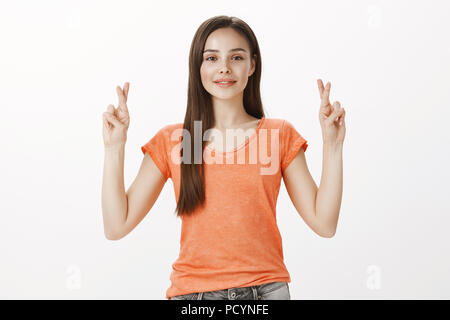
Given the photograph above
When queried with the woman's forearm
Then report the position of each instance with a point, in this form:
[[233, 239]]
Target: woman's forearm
[[114, 198], [329, 193]]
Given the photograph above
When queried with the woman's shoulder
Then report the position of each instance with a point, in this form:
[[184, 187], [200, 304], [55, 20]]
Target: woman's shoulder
[[273, 123], [171, 132], [172, 126]]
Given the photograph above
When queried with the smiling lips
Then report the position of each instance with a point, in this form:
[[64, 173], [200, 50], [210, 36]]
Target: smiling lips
[[224, 83]]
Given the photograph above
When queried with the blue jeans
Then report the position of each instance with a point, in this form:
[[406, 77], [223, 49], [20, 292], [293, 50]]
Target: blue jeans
[[266, 291]]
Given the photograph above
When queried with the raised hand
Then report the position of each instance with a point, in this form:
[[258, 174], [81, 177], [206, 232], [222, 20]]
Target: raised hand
[[117, 121], [331, 117]]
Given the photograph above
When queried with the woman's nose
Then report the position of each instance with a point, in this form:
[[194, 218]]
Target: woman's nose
[[224, 67]]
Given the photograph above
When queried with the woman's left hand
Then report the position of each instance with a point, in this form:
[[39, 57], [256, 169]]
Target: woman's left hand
[[331, 117]]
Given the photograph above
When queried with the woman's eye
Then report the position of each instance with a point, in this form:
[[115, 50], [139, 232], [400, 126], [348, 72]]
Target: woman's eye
[[240, 58]]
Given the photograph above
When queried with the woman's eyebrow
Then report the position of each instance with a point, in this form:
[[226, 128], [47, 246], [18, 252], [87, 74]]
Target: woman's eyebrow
[[232, 50]]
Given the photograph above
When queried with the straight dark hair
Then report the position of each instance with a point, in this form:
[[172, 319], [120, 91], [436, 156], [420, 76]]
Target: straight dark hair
[[199, 107]]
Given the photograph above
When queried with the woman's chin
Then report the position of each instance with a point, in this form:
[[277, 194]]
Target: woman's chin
[[224, 95]]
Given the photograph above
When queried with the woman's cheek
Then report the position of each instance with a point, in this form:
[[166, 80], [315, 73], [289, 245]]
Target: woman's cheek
[[207, 75]]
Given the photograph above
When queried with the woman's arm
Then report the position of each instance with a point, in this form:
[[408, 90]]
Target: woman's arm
[[329, 195], [320, 207], [114, 199], [122, 211]]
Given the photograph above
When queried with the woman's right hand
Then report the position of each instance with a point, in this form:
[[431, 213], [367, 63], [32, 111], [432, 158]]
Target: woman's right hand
[[117, 121]]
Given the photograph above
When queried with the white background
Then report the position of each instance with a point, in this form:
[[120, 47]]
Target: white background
[[388, 62]]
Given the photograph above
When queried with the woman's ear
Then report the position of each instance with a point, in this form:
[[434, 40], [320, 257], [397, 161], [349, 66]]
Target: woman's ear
[[253, 65]]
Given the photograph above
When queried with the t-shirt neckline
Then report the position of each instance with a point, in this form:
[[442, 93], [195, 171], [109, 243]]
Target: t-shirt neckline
[[253, 136]]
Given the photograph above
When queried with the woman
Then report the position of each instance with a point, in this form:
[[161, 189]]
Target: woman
[[230, 246]]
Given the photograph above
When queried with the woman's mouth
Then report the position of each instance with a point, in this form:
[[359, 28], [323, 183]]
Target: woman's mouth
[[225, 84]]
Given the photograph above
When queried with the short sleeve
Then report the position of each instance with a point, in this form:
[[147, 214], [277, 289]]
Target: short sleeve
[[156, 148], [291, 143]]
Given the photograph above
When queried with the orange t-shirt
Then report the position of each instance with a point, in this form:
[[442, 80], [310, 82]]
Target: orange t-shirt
[[233, 241]]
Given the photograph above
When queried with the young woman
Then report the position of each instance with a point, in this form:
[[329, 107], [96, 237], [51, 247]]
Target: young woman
[[230, 246]]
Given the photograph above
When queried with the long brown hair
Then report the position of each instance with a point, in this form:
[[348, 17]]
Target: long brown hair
[[199, 107]]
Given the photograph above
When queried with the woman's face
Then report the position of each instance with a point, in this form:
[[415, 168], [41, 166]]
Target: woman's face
[[221, 61]]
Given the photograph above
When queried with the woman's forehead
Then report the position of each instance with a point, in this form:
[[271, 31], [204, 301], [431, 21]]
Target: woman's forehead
[[225, 40]]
